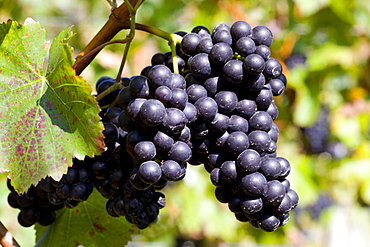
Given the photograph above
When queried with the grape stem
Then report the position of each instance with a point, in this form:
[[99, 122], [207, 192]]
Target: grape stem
[[97, 49], [173, 40], [6, 238]]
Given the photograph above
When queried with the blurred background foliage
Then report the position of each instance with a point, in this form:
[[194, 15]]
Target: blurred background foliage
[[324, 47]]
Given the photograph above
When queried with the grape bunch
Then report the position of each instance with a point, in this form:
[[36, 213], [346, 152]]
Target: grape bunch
[[34, 206], [40, 202], [218, 110]]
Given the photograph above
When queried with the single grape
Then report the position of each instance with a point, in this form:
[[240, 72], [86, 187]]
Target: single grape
[[152, 112], [254, 64], [262, 35], [248, 161], [220, 54], [200, 66], [150, 172]]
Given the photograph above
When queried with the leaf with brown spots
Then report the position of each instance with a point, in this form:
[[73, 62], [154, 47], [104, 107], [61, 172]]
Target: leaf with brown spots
[[88, 225], [47, 113]]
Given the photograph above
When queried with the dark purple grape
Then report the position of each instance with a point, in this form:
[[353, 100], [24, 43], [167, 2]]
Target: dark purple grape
[[222, 36], [207, 108], [195, 92], [260, 121], [205, 45], [12, 200], [275, 193], [150, 172], [264, 51], [163, 142], [270, 168], [124, 97], [145, 150], [251, 205], [245, 46], [200, 66], [226, 101], [25, 200], [246, 108], [174, 121], [228, 171], [163, 94], [139, 87], [152, 112], [63, 192], [262, 35], [264, 99], [254, 184], [240, 29], [133, 109], [201, 30], [216, 177], [293, 197], [185, 135], [143, 72], [237, 142], [272, 110], [190, 42], [158, 58], [221, 141], [254, 64], [221, 26], [233, 71], [248, 161], [28, 216], [212, 85], [274, 132], [220, 54], [171, 170], [223, 194], [254, 83], [268, 222], [191, 112], [177, 81], [237, 123], [284, 206], [81, 191], [277, 87], [160, 75], [285, 167], [179, 98], [180, 152], [220, 123], [272, 68], [234, 205]]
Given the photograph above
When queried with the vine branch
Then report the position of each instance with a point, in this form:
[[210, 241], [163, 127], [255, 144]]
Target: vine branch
[[6, 238], [118, 20]]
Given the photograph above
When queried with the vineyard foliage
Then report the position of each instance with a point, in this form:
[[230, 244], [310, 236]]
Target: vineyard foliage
[[324, 49]]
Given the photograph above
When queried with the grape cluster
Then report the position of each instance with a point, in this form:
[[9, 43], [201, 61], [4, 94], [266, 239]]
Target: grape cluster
[[231, 80], [40, 202], [217, 111], [317, 134], [34, 206]]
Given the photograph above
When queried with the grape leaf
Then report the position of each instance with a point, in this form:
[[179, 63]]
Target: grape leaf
[[88, 224], [47, 112]]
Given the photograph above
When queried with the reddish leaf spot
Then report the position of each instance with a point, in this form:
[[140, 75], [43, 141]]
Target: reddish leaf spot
[[77, 210], [91, 232], [100, 228], [76, 243]]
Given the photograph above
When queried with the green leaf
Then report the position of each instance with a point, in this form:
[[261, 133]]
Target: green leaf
[[88, 224], [47, 113]]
